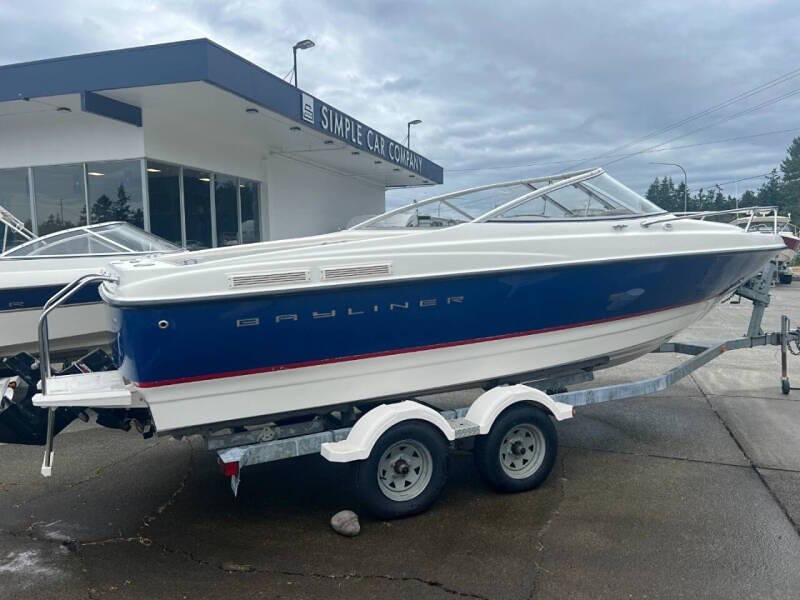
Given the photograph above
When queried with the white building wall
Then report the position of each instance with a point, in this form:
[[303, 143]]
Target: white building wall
[[195, 143], [54, 138], [306, 200]]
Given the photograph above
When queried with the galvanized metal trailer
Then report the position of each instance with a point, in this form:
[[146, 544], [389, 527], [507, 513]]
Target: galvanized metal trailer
[[400, 448], [515, 441]]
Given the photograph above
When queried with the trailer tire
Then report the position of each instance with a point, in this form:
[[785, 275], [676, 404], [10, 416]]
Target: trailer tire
[[519, 451], [785, 278], [405, 472]]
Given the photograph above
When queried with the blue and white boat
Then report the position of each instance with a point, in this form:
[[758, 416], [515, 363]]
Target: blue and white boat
[[498, 283], [34, 270]]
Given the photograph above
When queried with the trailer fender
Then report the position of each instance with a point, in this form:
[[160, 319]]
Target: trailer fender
[[489, 405], [371, 426]]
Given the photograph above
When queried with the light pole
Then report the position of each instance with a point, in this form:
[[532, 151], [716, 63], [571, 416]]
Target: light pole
[[408, 137], [301, 45], [685, 183]]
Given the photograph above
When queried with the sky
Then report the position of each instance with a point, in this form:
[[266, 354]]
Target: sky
[[505, 90]]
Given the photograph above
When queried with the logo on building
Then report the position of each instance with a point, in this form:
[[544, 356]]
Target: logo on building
[[308, 108]]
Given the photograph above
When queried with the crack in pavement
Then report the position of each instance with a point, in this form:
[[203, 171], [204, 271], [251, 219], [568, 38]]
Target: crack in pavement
[[753, 466], [96, 474], [663, 456], [562, 479]]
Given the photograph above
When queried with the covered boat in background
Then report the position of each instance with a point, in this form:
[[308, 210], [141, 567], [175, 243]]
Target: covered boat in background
[[499, 283], [33, 271]]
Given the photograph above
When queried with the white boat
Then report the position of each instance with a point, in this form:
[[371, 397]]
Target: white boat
[[772, 224], [538, 276], [30, 273]]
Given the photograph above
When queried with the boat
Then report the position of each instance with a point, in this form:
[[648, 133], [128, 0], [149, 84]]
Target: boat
[[35, 269], [771, 224], [501, 283]]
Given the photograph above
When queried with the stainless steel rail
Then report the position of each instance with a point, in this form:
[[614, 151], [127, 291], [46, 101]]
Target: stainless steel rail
[[44, 350], [751, 210]]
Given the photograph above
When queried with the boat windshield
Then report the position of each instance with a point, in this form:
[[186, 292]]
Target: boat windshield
[[106, 238], [585, 194]]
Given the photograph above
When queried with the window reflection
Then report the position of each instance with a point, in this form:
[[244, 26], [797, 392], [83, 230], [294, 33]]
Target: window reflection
[[227, 212], [15, 198], [115, 192], [163, 188], [251, 222], [60, 197], [197, 204]]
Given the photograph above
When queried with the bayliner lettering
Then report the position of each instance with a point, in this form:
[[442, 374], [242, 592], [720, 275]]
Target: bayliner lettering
[[361, 310]]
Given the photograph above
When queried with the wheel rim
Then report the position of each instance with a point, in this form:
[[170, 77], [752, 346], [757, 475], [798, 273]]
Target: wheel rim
[[404, 470], [522, 451]]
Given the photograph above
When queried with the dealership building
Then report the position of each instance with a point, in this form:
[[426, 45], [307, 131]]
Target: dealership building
[[191, 142]]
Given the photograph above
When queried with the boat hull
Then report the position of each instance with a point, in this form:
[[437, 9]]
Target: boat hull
[[192, 405], [82, 323], [215, 361]]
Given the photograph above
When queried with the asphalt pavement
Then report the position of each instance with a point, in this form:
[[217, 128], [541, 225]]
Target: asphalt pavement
[[691, 493]]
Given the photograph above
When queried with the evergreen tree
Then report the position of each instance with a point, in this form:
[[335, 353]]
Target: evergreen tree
[[769, 194], [790, 184], [102, 210]]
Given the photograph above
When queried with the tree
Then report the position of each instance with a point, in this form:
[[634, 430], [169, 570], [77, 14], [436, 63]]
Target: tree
[[102, 210], [769, 194], [790, 184]]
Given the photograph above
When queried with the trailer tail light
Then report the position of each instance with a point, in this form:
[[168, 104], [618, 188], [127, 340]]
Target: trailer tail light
[[229, 469]]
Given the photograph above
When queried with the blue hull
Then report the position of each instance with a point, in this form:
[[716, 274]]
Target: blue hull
[[261, 333], [36, 297]]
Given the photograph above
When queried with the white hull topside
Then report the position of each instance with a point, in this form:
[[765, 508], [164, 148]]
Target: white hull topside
[[72, 328], [187, 405]]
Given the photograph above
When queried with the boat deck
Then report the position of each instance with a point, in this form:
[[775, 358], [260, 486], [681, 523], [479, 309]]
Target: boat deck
[[700, 480]]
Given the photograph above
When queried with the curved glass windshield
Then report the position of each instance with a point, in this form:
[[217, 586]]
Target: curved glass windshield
[[584, 194], [597, 197], [108, 238]]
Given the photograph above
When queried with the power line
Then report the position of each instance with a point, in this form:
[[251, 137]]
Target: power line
[[560, 162], [742, 96], [746, 111]]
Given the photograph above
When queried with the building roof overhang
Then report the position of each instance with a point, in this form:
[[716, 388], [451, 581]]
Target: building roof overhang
[[118, 84]]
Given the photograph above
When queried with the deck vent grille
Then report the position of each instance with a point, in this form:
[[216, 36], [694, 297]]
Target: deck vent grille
[[272, 278], [356, 271]]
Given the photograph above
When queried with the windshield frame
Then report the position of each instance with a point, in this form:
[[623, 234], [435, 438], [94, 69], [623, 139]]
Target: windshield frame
[[554, 182], [12, 253]]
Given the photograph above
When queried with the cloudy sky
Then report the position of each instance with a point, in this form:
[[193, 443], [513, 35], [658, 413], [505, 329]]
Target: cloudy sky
[[504, 89]]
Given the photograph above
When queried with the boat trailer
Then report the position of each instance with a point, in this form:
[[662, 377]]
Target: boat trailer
[[400, 448]]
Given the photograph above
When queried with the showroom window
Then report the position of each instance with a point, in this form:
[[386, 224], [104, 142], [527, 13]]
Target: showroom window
[[115, 192], [15, 198], [188, 207], [251, 222], [197, 208], [164, 195], [227, 211], [60, 197]]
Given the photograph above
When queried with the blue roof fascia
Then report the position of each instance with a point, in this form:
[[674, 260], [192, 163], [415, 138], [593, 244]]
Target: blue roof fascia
[[110, 108], [182, 62]]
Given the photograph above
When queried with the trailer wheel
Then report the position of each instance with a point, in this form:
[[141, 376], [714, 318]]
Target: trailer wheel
[[405, 471], [785, 278], [519, 451]]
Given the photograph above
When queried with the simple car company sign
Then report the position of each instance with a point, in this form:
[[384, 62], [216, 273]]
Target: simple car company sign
[[331, 121]]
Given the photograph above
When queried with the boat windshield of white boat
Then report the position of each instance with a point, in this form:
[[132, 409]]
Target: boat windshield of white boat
[[103, 238], [590, 194]]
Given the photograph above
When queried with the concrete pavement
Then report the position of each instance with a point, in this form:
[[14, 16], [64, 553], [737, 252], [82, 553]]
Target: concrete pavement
[[691, 493]]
